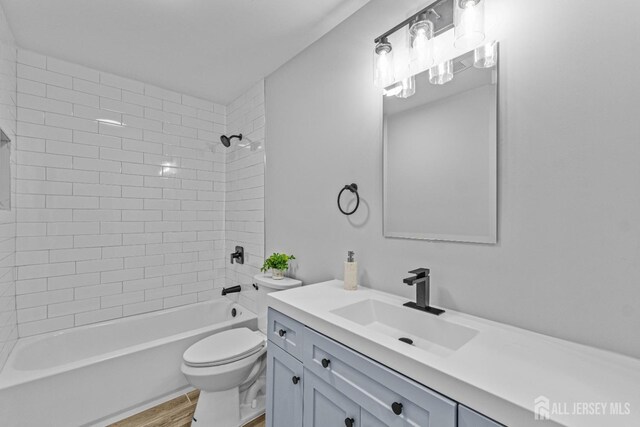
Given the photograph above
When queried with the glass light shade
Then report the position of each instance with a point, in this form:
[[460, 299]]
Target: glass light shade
[[421, 33], [441, 73], [383, 67], [393, 90], [408, 86], [468, 18], [486, 56]]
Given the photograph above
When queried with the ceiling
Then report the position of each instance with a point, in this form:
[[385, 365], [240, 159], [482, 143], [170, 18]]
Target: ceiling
[[212, 49]]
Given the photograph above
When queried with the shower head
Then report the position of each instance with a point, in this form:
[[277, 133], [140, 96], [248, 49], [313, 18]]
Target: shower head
[[226, 140]]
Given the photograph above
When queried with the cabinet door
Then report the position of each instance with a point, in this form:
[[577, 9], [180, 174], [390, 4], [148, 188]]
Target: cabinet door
[[284, 388], [324, 406]]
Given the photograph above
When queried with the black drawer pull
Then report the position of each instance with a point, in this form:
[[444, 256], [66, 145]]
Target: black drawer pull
[[397, 408], [349, 422], [282, 332], [295, 380], [325, 363]]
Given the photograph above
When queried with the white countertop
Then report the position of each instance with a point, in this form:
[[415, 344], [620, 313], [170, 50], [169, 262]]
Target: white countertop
[[499, 372]]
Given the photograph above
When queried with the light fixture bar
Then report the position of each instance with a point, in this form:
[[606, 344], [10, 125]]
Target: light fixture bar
[[441, 14]]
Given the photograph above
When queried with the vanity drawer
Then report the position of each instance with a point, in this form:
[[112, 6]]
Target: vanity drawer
[[286, 333], [376, 388]]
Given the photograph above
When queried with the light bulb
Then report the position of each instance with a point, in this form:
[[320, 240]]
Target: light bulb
[[468, 18], [383, 64], [441, 73], [421, 33], [486, 56]]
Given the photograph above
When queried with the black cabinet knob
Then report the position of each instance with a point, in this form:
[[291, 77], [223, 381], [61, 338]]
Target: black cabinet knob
[[397, 408], [325, 363], [295, 380], [282, 332], [349, 422]]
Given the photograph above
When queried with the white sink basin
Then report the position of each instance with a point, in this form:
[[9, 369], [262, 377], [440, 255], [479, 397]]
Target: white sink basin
[[427, 331]]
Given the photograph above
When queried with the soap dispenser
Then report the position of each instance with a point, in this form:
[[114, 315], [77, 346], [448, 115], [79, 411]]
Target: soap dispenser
[[350, 273]]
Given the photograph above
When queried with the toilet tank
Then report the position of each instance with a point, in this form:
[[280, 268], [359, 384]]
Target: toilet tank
[[266, 285]]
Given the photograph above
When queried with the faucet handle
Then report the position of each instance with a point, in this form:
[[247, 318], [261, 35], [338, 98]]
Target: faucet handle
[[420, 272]]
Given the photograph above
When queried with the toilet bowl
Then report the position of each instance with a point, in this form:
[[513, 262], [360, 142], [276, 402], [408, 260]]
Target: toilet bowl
[[229, 367]]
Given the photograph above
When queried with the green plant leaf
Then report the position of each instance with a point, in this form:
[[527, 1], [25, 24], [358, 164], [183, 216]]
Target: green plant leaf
[[277, 261]]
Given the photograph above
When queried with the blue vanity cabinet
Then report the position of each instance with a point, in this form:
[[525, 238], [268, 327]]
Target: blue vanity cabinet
[[285, 382], [470, 418], [314, 381], [324, 406]]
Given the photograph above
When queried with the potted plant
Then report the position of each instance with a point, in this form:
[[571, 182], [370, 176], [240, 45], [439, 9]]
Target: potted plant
[[278, 264]]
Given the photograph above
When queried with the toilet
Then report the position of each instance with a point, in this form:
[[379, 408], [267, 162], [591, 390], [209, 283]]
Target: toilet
[[229, 367]]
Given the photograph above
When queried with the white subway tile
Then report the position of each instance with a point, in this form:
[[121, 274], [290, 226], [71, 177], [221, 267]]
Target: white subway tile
[[90, 241], [75, 97], [141, 100], [43, 76], [121, 82], [37, 102], [142, 307], [74, 202], [71, 149], [99, 265], [47, 325], [72, 307], [97, 89], [46, 270], [74, 281], [96, 316], [84, 254], [96, 139], [158, 92], [70, 69], [31, 58], [43, 298]]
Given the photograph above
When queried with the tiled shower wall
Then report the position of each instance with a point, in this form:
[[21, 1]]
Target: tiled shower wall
[[8, 328], [114, 220], [244, 211]]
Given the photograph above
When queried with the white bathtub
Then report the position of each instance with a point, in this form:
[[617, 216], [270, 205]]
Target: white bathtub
[[86, 375]]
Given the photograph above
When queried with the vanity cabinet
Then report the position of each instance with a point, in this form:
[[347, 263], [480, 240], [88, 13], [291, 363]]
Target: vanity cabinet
[[314, 381]]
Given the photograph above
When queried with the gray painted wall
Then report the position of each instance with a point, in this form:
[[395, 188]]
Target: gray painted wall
[[569, 234]]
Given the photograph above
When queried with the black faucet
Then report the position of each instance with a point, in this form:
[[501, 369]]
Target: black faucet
[[238, 255], [231, 290], [421, 280]]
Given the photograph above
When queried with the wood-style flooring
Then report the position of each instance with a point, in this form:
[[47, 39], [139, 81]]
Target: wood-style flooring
[[174, 413]]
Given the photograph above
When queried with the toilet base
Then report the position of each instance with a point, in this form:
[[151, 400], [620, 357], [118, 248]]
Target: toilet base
[[223, 409]]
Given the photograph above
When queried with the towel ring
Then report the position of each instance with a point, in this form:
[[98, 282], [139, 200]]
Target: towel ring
[[354, 189]]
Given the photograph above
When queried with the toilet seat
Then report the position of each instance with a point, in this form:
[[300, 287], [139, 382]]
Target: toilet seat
[[224, 348]]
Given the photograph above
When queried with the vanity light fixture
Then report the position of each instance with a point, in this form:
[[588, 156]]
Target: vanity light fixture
[[383, 63], [441, 73], [465, 17], [486, 56], [468, 19]]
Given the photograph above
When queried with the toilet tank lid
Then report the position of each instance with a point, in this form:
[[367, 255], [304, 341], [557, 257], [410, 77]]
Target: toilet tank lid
[[279, 284]]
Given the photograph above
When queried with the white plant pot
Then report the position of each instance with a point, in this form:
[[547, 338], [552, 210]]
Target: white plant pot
[[277, 274]]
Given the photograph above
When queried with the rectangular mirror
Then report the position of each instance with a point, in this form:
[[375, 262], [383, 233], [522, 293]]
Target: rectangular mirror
[[440, 156]]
